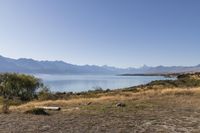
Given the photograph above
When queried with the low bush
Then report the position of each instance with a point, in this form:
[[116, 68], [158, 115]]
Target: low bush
[[37, 111], [184, 81], [13, 85]]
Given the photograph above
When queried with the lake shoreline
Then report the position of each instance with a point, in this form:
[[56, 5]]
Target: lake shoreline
[[79, 83], [168, 75], [159, 106]]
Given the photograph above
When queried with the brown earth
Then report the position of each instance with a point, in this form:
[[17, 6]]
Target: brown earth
[[151, 111]]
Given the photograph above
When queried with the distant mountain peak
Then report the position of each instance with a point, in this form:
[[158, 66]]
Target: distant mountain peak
[[145, 66], [26, 59], [24, 65]]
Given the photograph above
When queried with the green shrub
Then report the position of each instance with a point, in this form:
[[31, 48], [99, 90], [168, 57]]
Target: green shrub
[[37, 111], [14, 85]]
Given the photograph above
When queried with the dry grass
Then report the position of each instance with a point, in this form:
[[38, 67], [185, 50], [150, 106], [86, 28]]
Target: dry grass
[[121, 96], [71, 102], [148, 110], [161, 106]]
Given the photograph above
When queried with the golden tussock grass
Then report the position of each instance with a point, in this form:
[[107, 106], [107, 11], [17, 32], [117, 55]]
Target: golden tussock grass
[[143, 94]]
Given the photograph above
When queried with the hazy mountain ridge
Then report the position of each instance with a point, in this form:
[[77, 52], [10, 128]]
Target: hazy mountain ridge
[[24, 65]]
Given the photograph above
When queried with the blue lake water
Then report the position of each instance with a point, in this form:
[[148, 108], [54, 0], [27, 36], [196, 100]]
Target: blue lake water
[[78, 83]]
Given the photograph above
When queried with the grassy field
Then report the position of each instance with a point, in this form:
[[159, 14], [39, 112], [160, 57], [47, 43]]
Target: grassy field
[[156, 107]]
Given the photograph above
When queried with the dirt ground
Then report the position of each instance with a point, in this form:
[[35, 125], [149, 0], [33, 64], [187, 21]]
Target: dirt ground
[[177, 113]]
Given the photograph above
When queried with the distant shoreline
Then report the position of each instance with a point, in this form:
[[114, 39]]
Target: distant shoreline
[[172, 75]]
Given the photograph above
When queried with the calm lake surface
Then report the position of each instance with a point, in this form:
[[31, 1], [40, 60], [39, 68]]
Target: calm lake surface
[[78, 83]]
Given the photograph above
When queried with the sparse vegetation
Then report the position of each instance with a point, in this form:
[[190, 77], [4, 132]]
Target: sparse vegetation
[[160, 106], [182, 81], [44, 94]]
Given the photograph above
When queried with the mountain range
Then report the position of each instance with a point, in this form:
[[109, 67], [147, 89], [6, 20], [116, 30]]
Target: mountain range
[[31, 66]]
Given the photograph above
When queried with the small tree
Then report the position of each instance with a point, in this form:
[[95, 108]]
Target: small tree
[[17, 85]]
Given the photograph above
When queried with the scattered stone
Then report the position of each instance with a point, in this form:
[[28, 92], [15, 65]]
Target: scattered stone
[[45, 128], [120, 105], [86, 104], [89, 103]]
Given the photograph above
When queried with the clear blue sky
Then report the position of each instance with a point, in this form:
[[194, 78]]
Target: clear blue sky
[[122, 33]]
